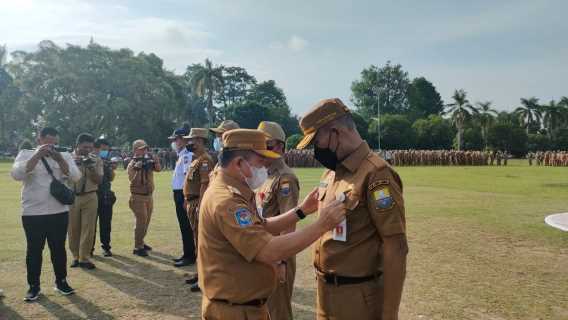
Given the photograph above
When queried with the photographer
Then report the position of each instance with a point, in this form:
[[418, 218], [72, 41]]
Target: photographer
[[83, 214], [105, 195], [141, 175], [44, 218]]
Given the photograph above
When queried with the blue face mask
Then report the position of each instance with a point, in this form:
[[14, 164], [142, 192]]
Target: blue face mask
[[104, 154], [217, 144]]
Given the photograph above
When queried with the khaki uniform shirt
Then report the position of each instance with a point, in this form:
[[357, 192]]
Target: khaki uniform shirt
[[141, 181], [86, 184], [375, 206], [231, 234], [198, 174], [280, 192]]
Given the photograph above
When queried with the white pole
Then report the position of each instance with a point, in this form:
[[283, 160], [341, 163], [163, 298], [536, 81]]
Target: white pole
[[379, 117]]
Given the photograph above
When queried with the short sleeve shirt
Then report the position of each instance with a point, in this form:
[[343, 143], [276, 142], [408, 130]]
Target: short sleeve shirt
[[280, 192]]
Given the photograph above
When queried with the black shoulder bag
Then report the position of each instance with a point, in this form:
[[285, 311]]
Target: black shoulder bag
[[58, 189]]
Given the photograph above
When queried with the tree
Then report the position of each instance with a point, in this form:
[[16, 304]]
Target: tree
[[555, 114], [206, 81], [396, 132], [530, 114], [423, 99], [269, 95], [237, 84], [9, 95], [509, 138], [248, 114], [433, 133], [390, 81], [293, 141], [486, 117], [460, 111]]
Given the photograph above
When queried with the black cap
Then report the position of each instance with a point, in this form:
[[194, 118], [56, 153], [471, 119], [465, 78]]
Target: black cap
[[180, 132]]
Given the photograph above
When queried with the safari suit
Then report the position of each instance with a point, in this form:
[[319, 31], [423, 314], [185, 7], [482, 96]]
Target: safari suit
[[278, 195], [231, 234], [83, 212], [373, 198]]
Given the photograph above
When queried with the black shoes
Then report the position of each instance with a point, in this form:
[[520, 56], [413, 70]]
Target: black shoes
[[147, 248], [184, 262], [195, 288], [75, 264], [140, 252], [192, 280], [107, 253], [87, 265], [178, 259], [63, 287], [33, 294]]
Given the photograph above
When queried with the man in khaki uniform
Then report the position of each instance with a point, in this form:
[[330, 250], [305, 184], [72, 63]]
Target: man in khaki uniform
[[196, 182], [141, 176], [361, 264], [83, 213], [238, 251], [279, 194]]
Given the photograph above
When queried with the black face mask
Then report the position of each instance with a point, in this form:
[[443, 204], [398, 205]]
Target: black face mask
[[326, 157], [190, 147]]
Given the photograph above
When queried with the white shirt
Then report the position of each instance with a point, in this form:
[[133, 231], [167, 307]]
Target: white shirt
[[182, 165], [36, 199]]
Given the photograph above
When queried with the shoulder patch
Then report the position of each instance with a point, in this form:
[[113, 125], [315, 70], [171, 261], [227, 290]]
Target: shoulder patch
[[285, 188], [378, 183], [383, 198], [243, 217]]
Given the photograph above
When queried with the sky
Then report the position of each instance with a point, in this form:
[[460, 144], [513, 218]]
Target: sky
[[497, 51]]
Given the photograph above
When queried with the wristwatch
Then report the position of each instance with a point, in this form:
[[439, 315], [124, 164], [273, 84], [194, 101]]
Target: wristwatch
[[301, 215]]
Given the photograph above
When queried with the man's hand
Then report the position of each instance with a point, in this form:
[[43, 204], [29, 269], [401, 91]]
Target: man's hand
[[43, 150], [138, 164], [332, 214], [310, 203]]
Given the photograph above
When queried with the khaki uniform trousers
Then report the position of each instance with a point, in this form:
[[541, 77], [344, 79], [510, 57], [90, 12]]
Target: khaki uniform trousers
[[82, 225], [141, 206], [362, 301], [213, 310], [280, 302], [193, 216]]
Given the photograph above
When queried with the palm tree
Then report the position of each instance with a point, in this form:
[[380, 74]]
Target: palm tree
[[460, 111], [554, 116], [530, 112], [205, 82], [486, 116]]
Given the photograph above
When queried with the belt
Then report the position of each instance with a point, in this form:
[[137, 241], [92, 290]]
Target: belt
[[192, 197], [141, 194], [252, 303], [330, 278], [84, 193]]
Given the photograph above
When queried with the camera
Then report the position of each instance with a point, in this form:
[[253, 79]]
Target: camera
[[147, 162], [58, 148], [86, 161]]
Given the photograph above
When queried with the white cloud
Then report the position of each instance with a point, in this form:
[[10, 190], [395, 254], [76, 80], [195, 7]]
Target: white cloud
[[297, 43], [25, 23]]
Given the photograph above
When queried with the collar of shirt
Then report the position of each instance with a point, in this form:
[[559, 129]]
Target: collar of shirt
[[275, 166], [353, 161], [240, 185], [184, 151]]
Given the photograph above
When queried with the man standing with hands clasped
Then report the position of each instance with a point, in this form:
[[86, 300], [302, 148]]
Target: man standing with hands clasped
[[361, 264], [238, 251]]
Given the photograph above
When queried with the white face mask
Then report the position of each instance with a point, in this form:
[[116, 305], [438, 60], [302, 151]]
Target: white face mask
[[174, 146], [217, 144], [259, 176]]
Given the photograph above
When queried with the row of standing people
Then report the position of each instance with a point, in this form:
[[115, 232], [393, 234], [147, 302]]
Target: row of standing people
[[446, 158], [548, 158]]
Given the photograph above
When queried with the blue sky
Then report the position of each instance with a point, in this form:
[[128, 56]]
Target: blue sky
[[495, 50]]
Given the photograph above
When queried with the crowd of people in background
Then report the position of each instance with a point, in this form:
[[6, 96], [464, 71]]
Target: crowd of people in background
[[548, 158], [446, 158]]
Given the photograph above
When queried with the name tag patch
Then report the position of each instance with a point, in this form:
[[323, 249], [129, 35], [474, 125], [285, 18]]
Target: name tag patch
[[243, 217]]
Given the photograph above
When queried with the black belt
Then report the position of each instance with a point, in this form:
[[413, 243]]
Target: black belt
[[192, 197], [342, 280], [252, 303], [141, 194]]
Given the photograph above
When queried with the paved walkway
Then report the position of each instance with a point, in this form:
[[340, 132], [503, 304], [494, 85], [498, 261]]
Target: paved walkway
[[559, 221]]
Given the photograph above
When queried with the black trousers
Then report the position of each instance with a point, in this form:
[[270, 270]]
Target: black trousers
[[185, 228], [104, 213], [38, 229]]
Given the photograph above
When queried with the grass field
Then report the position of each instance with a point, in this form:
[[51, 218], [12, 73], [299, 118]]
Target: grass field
[[479, 249]]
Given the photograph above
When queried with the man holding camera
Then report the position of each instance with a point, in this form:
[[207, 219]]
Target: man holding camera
[[105, 195], [44, 218], [83, 214], [141, 176]]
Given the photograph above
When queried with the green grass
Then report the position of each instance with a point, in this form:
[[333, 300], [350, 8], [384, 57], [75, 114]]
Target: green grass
[[479, 249]]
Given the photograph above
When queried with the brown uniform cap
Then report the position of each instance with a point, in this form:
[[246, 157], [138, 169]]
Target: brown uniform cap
[[273, 130], [198, 133], [139, 144], [248, 139], [321, 114], [226, 126]]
